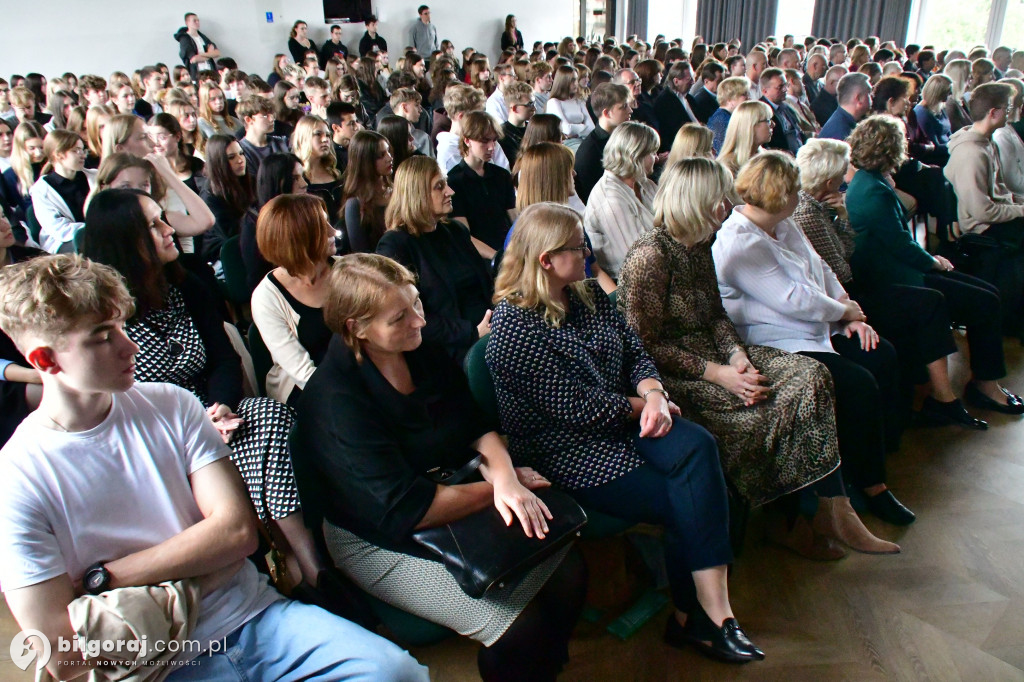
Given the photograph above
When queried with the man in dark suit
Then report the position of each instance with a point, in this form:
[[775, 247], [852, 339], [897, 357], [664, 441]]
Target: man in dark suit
[[705, 102], [786, 135], [816, 67], [674, 106]]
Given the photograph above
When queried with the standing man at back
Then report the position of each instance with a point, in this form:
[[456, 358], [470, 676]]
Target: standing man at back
[[423, 35], [197, 52]]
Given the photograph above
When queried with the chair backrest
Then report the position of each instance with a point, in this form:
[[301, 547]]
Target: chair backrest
[[235, 287], [262, 361], [481, 385]]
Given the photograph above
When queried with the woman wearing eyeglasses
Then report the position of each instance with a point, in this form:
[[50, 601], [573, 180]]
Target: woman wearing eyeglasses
[[584, 405], [750, 127]]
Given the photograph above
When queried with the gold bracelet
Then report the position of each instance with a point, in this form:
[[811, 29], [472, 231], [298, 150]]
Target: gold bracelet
[[654, 390]]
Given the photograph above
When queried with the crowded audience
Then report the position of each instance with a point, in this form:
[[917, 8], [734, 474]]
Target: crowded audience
[[687, 272]]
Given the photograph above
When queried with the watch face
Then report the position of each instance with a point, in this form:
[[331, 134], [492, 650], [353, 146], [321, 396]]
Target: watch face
[[94, 580]]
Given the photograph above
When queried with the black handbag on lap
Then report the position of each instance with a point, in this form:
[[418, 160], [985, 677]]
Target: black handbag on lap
[[482, 553]]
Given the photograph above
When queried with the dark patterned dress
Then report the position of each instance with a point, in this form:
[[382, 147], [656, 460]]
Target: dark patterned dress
[[188, 347], [669, 294]]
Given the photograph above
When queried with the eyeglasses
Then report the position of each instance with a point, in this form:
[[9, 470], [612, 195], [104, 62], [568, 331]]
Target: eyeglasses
[[583, 248], [769, 121], [528, 105]]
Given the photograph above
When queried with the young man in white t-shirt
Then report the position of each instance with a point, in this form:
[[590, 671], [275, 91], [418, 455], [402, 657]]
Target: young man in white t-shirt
[[111, 484]]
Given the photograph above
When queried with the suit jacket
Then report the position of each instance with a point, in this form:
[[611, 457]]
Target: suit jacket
[[824, 105], [811, 88], [786, 135], [705, 103], [671, 116]]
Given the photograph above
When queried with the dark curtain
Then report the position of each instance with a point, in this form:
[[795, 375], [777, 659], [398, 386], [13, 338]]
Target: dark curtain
[[636, 19], [749, 20], [845, 19]]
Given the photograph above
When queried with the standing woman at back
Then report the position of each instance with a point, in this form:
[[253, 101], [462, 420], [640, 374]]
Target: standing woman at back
[[299, 44], [511, 37]]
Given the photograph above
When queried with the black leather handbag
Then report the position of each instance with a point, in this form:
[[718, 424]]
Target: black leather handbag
[[483, 554]]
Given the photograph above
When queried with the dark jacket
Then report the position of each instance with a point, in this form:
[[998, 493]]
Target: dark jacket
[[187, 49], [671, 116], [366, 44], [588, 166], [705, 103], [329, 49], [446, 324], [366, 449], [824, 105], [884, 252], [507, 42], [812, 88], [786, 134]]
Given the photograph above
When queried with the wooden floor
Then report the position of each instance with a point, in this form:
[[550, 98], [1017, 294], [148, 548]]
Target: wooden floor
[[950, 607]]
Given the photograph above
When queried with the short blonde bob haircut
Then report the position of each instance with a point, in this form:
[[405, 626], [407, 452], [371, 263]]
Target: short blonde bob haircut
[[692, 140], [541, 228], [878, 143], [626, 149], [768, 180], [545, 174], [410, 209], [936, 91], [959, 71], [293, 232], [358, 287], [688, 195], [45, 298], [821, 160], [732, 88], [739, 146]]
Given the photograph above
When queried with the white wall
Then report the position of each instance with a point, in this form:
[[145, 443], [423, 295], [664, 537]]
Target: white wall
[[54, 36]]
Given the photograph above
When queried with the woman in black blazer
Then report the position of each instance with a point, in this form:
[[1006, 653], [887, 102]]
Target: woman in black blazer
[[511, 37], [454, 282]]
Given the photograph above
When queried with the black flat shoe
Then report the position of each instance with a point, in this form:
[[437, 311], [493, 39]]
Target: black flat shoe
[[974, 396], [953, 412], [885, 506], [727, 643]]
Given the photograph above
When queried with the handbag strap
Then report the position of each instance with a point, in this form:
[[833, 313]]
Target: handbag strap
[[443, 477]]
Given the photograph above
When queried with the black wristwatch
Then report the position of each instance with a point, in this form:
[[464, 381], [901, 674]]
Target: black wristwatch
[[96, 579]]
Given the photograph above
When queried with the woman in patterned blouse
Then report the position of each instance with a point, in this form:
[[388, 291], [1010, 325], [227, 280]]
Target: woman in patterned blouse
[[182, 341], [568, 371], [773, 412]]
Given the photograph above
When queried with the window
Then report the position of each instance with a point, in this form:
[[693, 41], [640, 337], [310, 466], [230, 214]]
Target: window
[[954, 23], [794, 17], [1013, 24]]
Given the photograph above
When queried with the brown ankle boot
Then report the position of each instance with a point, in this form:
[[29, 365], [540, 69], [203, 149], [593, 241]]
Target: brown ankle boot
[[836, 519], [802, 539]]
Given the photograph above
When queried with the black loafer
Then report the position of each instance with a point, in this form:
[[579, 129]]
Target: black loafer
[[885, 506], [974, 396], [953, 412], [727, 643]]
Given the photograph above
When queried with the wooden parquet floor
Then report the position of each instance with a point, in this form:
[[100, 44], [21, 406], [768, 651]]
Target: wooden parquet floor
[[950, 607]]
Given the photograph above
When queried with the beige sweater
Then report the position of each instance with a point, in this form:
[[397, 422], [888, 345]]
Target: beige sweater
[[973, 170]]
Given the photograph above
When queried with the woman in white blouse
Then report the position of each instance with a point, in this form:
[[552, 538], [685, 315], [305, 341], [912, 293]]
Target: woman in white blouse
[[778, 292], [621, 205], [565, 103]]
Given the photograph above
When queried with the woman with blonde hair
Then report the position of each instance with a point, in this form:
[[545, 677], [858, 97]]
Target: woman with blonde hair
[[567, 370], [214, 118], [621, 205], [772, 412], [28, 156], [454, 282], [382, 382], [126, 133], [96, 119], [931, 112], [312, 143], [566, 104], [779, 293], [959, 72], [750, 127], [692, 140]]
